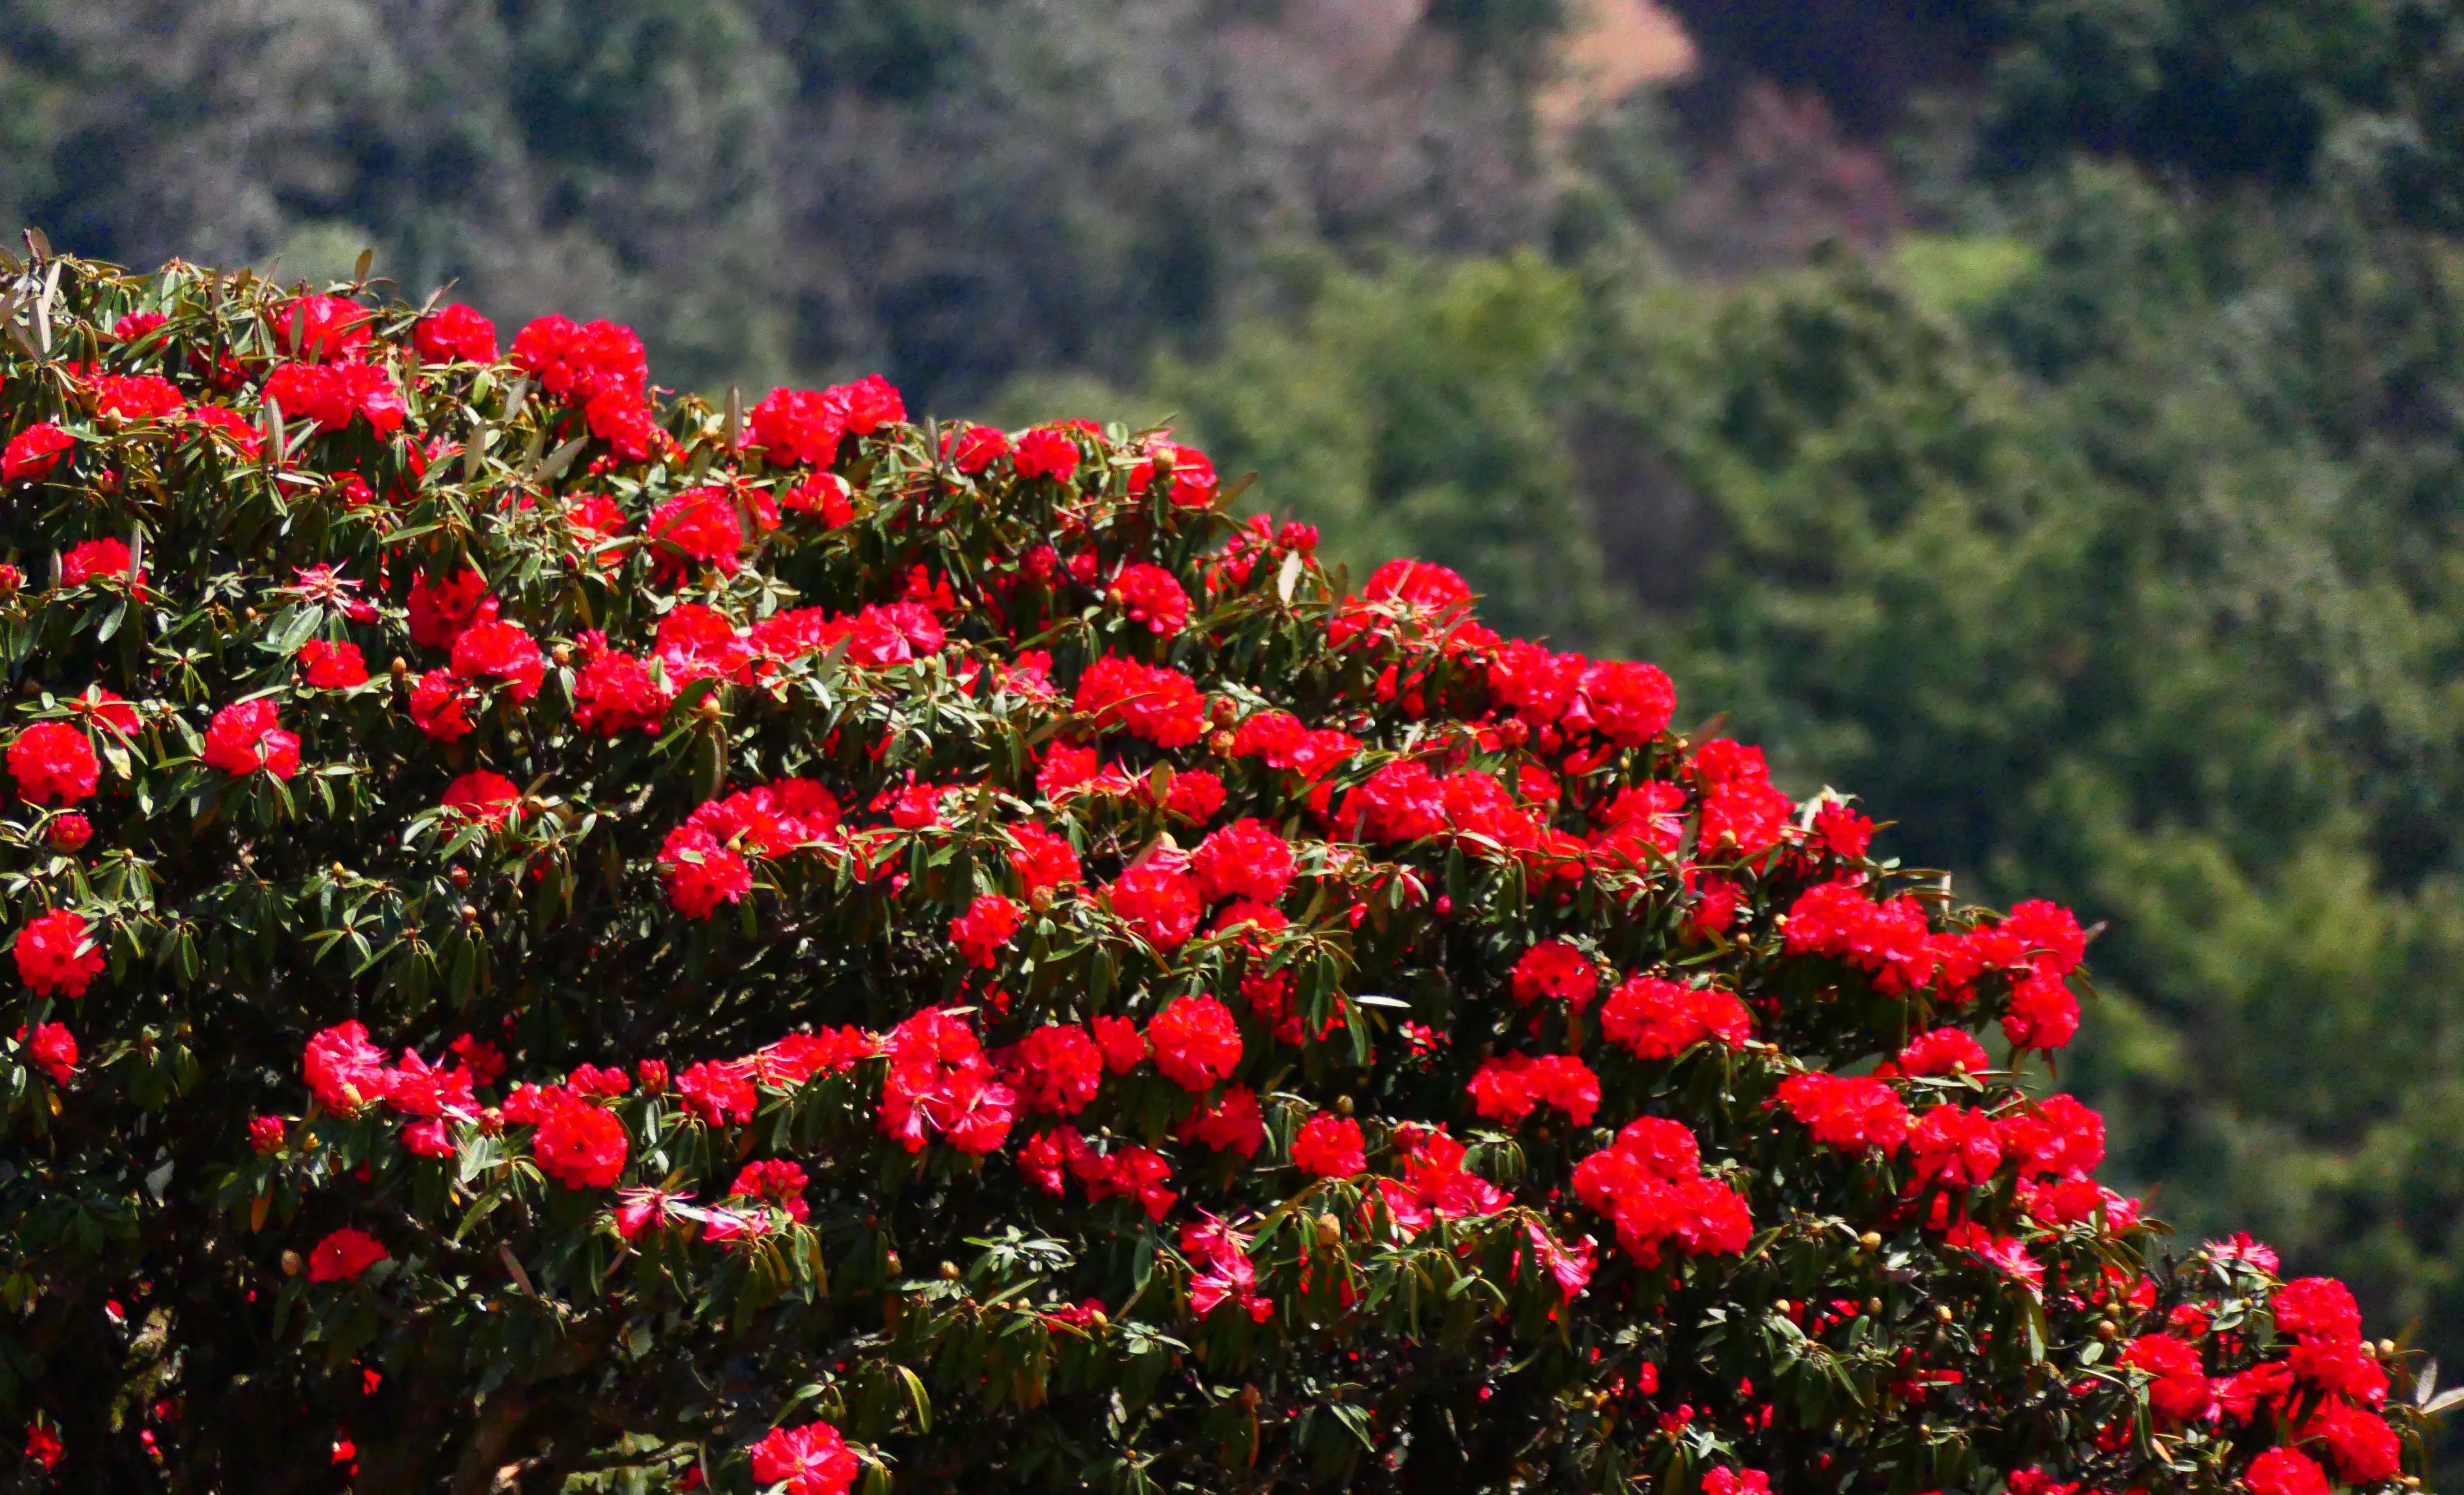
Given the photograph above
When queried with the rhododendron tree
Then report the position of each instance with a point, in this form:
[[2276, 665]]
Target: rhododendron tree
[[564, 940]]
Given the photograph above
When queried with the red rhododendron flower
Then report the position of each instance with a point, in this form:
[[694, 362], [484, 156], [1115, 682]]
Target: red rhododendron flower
[[700, 872], [1159, 704], [1246, 858], [331, 394], [699, 526], [2359, 1444], [2042, 1014], [2177, 1389], [315, 328], [1195, 1041], [33, 452], [54, 1051], [1555, 968], [1629, 703], [2058, 1137], [1159, 902], [578, 362], [1654, 1018], [440, 706], [2316, 1308], [88, 559], [1044, 451], [1124, 1046], [331, 666], [870, 403], [1042, 859], [248, 438], [1194, 796], [68, 832], [940, 1081], [972, 448], [440, 610], [53, 764], [247, 735], [482, 798], [579, 1145], [811, 1460], [343, 1255], [616, 693], [138, 397], [344, 1071], [1508, 1087], [1422, 584], [717, 1092], [1056, 1069], [2284, 1471], [1193, 482], [1942, 1051], [1331, 1147], [797, 426], [1846, 1112], [1841, 832], [625, 422], [1232, 1124], [1402, 801], [456, 334], [1648, 1182], [1955, 1146], [984, 928], [501, 653], [1151, 595]]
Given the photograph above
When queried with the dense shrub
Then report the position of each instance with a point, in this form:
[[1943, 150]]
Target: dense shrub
[[564, 940]]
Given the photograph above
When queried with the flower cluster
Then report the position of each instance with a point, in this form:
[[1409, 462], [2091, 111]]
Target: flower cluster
[[738, 942]]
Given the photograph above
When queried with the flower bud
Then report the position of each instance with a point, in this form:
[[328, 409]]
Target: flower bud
[[68, 831], [1330, 1230], [949, 1271]]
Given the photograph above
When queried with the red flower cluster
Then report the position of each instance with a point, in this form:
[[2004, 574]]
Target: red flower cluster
[[1656, 1018], [32, 453], [456, 334], [811, 1460], [803, 426], [941, 1083], [1847, 1113], [1507, 1089], [343, 1255], [1650, 1182], [1151, 595], [1556, 968], [1195, 1041], [577, 362], [57, 955], [1331, 1147], [1158, 901], [331, 394], [1159, 704], [984, 928], [1246, 858], [247, 737], [53, 764]]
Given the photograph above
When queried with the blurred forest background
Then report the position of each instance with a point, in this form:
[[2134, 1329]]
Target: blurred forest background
[[2043, 417]]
